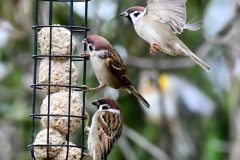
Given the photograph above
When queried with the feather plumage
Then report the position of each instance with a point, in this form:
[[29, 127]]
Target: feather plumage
[[171, 12]]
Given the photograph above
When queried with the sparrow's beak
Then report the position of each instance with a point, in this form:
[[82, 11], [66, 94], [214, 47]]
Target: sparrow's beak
[[96, 103], [84, 41], [124, 14]]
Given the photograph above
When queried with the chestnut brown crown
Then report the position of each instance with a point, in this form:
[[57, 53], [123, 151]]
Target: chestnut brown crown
[[105, 100], [135, 8], [99, 42]]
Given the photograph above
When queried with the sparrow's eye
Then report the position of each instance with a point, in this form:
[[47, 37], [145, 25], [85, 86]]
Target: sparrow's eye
[[130, 10]]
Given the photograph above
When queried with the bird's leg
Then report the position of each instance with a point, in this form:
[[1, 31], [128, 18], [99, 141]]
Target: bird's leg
[[154, 47], [87, 127], [85, 54], [86, 154], [87, 89]]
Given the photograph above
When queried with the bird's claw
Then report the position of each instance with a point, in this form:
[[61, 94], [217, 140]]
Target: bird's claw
[[154, 48], [85, 88], [86, 154], [86, 130], [85, 55]]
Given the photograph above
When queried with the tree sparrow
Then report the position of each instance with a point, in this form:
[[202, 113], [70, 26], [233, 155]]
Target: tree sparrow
[[106, 128], [109, 67], [158, 23]]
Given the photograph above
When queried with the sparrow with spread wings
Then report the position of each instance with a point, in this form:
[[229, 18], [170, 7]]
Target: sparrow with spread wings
[[109, 67], [158, 24], [105, 129]]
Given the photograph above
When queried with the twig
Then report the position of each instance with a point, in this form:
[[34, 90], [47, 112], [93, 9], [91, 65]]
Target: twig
[[141, 141], [126, 149]]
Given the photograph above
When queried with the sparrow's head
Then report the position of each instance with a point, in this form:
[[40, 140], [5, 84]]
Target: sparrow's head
[[133, 13], [96, 43], [106, 104]]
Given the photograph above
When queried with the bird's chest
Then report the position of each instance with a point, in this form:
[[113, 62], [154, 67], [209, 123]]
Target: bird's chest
[[102, 72], [93, 138], [150, 29], [145, 30], [100, 68]]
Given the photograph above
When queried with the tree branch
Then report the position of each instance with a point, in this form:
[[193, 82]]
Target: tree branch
[[144, 143], [126, 149]]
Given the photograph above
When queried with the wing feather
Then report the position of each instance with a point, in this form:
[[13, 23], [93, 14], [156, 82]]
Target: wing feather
[[108, 134], [171, 12], [118, 68]]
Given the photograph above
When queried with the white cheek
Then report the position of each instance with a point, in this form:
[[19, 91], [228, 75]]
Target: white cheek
[[134, 19], [88, 47]]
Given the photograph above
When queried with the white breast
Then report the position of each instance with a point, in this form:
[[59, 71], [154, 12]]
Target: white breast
[[93, 138], [102, 70], [99, 67], [144, 31], [145, 28]]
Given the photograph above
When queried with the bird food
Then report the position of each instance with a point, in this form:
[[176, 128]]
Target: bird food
[[60, 42], [74, 153], [60, 72], [55, 138], [59, 106]]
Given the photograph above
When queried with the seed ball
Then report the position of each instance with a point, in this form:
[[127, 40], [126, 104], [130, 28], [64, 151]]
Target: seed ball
[[74, 153], [60, 72], [60, 42], [59, 106], [55, 138]]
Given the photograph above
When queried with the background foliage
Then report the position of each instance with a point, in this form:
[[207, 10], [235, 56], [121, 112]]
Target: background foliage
[[198, 114]]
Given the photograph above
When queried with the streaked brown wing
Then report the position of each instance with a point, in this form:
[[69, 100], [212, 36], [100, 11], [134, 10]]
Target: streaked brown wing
[[109, 134], [171, 12], [117, 67]]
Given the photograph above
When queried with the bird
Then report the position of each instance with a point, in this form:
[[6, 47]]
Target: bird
[[109, 67], [159, 22], [149, 89], [106, 128]]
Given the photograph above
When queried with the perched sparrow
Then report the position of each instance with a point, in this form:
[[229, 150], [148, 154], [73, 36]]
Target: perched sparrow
[[109, 67], [158, 23], [106, 128]]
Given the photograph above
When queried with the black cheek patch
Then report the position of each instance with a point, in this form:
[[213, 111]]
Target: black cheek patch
[[91, 48], [130, 19], [136, 14], [105, 107]]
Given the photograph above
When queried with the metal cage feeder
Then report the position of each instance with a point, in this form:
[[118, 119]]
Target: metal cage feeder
[[36, 86]]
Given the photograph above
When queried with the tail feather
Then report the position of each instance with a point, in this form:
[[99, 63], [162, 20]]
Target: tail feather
[[199, 61], [184, 50], [139, 97], [192, 26]]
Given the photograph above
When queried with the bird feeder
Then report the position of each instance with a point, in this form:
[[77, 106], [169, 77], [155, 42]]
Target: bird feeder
[[62, 111]]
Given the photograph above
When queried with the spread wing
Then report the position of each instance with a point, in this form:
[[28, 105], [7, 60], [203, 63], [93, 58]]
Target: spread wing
[[117, 67], [108, 134], [171, 12]]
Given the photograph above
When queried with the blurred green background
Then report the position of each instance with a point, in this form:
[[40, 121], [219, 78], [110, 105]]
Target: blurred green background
[[194, 115]]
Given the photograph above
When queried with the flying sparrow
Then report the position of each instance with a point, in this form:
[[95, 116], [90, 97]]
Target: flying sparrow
[[109, 67], [158, 23], [106, 128]]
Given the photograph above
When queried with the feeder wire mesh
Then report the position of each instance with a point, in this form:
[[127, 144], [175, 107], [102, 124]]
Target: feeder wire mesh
[[39, 86]]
